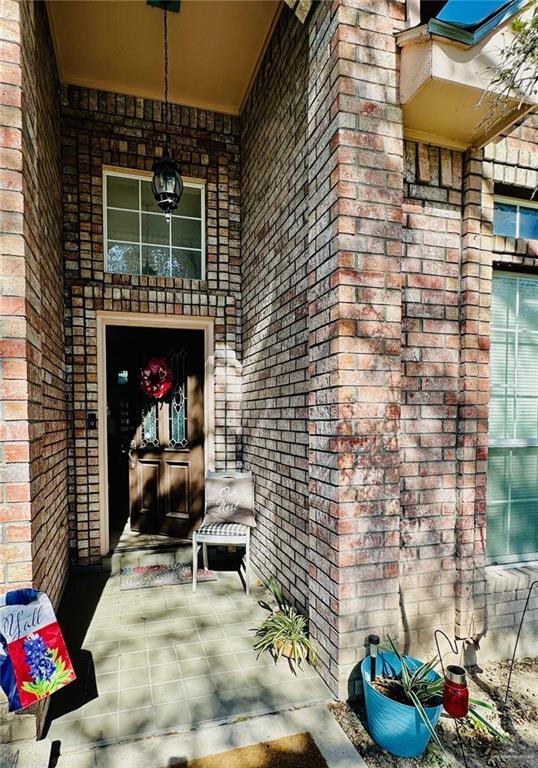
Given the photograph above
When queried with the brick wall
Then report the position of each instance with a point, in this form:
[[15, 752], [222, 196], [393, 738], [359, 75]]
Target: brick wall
[[275, 310], [99, 129], [356, 185], [449, 255], [322, 190], [33, 507], [359, 310], [430, 379]]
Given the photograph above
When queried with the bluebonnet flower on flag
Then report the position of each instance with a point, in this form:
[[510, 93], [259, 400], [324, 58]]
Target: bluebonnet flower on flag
[[39, 658]]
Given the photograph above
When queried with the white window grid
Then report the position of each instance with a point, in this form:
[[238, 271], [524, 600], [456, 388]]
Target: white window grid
[[187, 183], [517, 203], [513, 442]]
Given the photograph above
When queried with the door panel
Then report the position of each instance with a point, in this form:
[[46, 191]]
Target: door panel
[[144, 487], [166, 459], [177, 486]]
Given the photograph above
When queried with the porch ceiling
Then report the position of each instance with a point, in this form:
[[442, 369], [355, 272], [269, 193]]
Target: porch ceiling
[[215, 47]]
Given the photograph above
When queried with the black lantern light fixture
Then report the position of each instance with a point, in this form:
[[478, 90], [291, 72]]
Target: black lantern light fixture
[[166, 184]]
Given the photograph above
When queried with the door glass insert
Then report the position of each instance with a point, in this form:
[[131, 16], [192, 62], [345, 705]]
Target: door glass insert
[[178, 406], [150, 427]]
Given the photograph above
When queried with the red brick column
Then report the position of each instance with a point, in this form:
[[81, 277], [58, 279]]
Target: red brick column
[[472, 439], [15, 512], [33, 442], [355, 188], [430, 366]]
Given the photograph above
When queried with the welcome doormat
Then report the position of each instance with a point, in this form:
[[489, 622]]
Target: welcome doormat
[[299, 751], [147, 576]]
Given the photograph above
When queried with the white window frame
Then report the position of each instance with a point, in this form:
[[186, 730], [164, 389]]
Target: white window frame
[[147, 176], [517, 203], [508, 443]]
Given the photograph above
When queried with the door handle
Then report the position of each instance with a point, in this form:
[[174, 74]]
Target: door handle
[[130, 454]]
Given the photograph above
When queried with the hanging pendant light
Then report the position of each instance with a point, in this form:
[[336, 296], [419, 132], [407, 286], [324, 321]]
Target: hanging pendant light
[[166, 184]]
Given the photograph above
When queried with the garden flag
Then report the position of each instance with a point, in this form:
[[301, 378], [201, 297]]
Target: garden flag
[[33, 658]]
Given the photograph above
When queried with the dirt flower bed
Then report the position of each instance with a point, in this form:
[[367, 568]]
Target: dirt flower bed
[[519, 721]]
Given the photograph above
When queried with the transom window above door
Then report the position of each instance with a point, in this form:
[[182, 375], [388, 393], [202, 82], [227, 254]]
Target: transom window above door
[[138, 238]]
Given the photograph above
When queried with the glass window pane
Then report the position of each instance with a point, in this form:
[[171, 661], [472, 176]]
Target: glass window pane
[[504, 219], [528, 304], [124, 258], [527, 418], [497, 531], [501, 416], [498, 474], [122, 192], [155, 229], [523, 533], [524, 473], [122, 226], [186, 233], [155, 261], [190, 203], [187, 264], [528, 223], [527, 364], [502, 361], [148, 201], [133, 218], [503, 304]]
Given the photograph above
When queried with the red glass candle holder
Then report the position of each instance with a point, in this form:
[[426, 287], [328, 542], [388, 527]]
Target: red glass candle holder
[[455, 692]]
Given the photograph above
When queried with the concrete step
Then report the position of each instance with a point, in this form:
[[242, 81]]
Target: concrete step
[[26, 754], [15, 726]]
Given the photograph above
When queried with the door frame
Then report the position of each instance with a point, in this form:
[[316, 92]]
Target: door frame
[[146, 320]]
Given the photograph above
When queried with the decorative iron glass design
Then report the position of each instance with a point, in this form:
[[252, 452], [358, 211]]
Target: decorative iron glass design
[[150, 427], [178, 406]]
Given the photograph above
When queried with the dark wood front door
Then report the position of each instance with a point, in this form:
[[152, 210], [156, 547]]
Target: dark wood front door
[[165, 451]]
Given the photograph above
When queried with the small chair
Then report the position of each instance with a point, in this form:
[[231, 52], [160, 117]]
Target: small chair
[[219, 496], [220, 533]]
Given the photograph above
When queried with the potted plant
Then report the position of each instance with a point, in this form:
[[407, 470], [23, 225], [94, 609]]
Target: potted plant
[[405, 701], [285, 632]]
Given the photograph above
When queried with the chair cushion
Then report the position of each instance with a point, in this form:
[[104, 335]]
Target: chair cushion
[[222, 529]]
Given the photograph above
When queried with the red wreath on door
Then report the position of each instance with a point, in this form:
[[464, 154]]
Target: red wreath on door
[[156, 378]]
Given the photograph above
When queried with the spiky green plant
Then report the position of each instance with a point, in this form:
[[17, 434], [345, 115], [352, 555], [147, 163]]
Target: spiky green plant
[[285, 630], [422, 692], [277, 593]]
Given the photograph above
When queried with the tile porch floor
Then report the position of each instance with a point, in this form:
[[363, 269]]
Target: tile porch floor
[[164, 659]]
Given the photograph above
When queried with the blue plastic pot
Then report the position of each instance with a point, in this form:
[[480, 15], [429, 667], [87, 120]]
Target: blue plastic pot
[[396, 727]]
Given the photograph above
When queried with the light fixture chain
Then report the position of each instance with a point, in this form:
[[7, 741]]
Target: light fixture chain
[[166, 74]]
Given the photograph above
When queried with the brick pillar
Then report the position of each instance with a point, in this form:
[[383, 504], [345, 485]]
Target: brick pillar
[[15, 512], [355, 208], [430, 367], [33, 530], [472, 438]]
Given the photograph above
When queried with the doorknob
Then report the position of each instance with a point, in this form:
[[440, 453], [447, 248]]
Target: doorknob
[[130, 454]]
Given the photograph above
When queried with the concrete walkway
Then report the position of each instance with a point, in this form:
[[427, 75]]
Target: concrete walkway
[[164, 660], [175, 750]]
